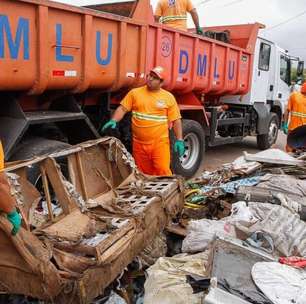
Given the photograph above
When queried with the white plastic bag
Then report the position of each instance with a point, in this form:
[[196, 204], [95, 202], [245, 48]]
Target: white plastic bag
[[241, 213], [202, 232]]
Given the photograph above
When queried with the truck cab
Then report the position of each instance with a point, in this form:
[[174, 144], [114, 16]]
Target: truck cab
[[272, 74]]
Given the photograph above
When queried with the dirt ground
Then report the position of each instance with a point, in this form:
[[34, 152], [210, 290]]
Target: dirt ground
[[217, 156]]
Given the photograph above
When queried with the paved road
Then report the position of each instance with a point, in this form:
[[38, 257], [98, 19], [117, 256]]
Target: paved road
[[217, 156]]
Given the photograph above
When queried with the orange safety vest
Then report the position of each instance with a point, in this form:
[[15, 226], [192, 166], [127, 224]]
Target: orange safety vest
[[297, 109], [174, 12]]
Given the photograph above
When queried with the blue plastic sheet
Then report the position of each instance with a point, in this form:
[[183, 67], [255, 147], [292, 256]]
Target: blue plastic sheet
[[231, 187]]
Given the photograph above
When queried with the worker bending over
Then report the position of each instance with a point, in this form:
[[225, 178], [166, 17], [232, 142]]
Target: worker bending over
[[7, 201], [174, 13], [153, 110], [296, 109]]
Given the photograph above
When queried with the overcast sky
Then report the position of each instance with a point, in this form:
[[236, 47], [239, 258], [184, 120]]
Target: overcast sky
[[285, 20]]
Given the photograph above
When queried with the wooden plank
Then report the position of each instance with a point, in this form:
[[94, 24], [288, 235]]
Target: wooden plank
[[114, 251], [82, 176], [56, 180], [177, 229], [114, 237], [47, 192]]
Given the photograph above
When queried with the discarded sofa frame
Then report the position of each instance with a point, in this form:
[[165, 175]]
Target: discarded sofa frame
[[109, 212]]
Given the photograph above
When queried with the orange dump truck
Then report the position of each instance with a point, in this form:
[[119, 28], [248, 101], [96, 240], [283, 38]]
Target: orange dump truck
[[63, 69]]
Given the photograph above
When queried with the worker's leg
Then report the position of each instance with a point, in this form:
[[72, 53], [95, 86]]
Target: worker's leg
[[161, 158], [288, 148], [142, 156]]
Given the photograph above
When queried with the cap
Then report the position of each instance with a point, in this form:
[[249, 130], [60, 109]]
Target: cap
[[303, 88], [159, 72]]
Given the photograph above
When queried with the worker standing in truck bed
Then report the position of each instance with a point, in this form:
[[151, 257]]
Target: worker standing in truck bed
[[153, 110], [296, 110], [174, 13]]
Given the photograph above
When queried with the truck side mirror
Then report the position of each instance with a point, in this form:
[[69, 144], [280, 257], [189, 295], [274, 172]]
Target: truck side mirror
[[300, 69]]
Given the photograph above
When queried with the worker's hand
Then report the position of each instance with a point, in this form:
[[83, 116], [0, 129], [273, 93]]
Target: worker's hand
[[110, 124], [200, 31], [179, 147], [284, 127], [15, 219]]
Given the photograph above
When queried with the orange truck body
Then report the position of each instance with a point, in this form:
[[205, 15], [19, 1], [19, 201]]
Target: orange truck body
[[46, 46], [69, 66]]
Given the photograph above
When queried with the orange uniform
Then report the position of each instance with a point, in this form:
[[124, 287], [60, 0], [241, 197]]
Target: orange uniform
[[174, 12], [151, 114], [297, 108]]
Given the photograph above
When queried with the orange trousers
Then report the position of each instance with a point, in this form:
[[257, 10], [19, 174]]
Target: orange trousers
[[153, 159]]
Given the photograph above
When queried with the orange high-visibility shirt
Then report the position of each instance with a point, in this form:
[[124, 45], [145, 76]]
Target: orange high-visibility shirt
[[297, 108], [151, 113], [174, 12]]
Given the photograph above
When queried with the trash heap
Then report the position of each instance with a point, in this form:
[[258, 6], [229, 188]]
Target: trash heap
[[240, 238], [243, 235]]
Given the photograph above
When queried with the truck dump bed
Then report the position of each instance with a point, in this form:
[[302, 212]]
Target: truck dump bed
[[50, 46]]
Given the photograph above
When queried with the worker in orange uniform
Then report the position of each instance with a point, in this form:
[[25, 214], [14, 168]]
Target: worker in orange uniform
[[153, 110], [174, 13], [7, 202], [296, 109]]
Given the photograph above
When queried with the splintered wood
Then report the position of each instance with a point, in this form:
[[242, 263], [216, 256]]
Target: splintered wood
[[89, 219]]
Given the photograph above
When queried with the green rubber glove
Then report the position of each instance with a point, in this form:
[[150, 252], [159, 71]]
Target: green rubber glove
[[179, 147], [200, 31], [110, 124], [284, 127], [15, 219]]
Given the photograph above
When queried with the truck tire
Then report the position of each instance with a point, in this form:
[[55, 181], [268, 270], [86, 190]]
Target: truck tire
[[190, 162], [265, 141], [34, 146]]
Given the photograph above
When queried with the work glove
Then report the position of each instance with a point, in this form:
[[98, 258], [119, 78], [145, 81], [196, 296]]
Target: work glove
[[15, 219], [284, 127], [110, 124], [179, 147], [200, 31]]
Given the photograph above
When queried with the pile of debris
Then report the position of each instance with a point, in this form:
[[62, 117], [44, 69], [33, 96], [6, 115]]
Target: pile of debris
[[93, 231], [243, 234]]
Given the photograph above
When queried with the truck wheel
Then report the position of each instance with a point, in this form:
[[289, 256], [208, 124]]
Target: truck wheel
[[265, 141], [190, 162], [34, 146]]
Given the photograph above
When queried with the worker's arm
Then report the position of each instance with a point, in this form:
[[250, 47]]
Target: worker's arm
[[119, 113], [158, 11], [126, 105], [177, 128], [179, 145], [117, 116], [157, 18], [286, 116], [7, 204], [285, 123], [195, 18]]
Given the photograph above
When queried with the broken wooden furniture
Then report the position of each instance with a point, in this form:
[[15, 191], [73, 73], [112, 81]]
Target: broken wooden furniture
[[94, 213]]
